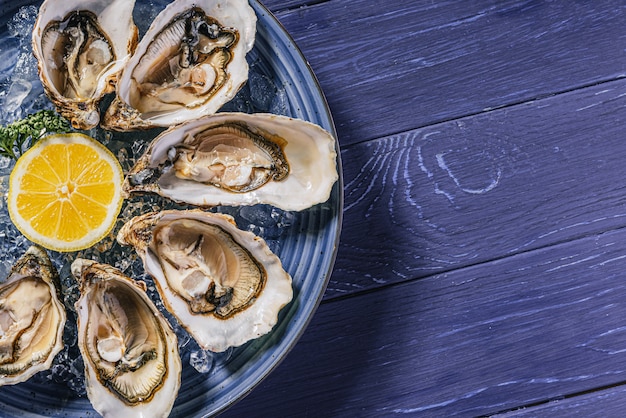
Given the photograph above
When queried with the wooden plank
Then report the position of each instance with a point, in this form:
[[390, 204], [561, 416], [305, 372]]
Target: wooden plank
[[601, 404], [517, 331], [277, 6], [448, 195], [407, 64]]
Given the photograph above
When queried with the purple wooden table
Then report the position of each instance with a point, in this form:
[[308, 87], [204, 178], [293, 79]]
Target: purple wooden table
[[482, 264]]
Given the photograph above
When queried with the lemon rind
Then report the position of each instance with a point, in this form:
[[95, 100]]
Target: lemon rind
[[94, 236]]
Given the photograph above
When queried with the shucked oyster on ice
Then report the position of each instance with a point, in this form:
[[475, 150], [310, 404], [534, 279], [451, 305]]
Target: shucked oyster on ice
[[32, 318], [239, 159], [189, 63], [81, 46], [224, 285], [132, 365]]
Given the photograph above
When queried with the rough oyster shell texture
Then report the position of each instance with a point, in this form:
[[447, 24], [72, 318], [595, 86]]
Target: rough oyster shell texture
[[32, 318], [222, 284], [132, 364], [81, 47], [189, 63], [239, 159]]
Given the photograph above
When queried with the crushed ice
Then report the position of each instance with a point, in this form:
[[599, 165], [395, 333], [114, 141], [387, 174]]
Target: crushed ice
[[21, 93], [201, 360]]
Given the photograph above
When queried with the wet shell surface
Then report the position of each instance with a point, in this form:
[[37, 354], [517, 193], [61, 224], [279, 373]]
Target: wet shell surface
[[132, 364], [189, 63], [32, 318], [81, 47], [223, 285], [239, 159]]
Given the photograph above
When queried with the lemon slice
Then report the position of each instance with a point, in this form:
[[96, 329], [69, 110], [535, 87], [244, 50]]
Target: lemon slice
[[65, 192]]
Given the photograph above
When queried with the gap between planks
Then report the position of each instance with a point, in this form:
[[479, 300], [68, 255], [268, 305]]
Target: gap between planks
[[488, 110], [536, 407], [554, 230], [556, 244]]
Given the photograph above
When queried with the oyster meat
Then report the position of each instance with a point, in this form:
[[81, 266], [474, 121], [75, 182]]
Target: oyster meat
[[189, 63], [132, 364], [239, 159], [32, 318], [224, 285], [81, 46]]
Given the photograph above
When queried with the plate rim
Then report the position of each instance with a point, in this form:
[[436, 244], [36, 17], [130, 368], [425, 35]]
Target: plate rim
[[340, 203]]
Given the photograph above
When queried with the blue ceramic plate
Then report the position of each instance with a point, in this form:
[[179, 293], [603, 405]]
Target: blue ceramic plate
[[306, 242]]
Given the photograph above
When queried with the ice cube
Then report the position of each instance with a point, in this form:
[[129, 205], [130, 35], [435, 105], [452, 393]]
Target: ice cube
[[201, 360], [18, 91], [262, 91], [8, 56], [280, 103], [259, 215]]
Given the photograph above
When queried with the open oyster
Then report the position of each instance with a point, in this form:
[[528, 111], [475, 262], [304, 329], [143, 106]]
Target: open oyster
[[224, 285], [32, 318], [189, 63], [132, 365], [81, 46], [239, 159]]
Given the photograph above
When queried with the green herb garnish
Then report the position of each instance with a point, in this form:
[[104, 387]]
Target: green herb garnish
[[14, 136]]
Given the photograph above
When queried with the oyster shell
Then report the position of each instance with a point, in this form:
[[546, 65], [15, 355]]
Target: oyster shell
[[189, 63], [132, 365], [239, 159], [32, 318], [81, 46], [224, 285]]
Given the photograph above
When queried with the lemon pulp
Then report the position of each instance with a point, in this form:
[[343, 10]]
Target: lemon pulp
[[65, 192]]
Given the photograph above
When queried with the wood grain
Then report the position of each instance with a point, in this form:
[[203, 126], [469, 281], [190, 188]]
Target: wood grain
[[406, 64], [481, 265], [277, 6], [481, 188], [538, 325], [600, 404]]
